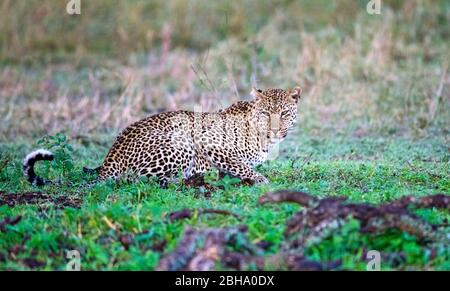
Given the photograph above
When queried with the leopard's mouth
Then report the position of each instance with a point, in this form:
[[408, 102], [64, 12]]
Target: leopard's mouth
[[276, 138], [281, 136]]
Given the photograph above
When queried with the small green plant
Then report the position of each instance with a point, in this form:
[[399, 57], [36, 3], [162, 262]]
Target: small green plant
[[226, 182]]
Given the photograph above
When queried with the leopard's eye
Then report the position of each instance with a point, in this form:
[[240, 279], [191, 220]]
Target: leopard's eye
[[285, 113], [265, 114]]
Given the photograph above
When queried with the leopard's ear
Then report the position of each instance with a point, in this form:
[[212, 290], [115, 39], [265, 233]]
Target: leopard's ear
[[295, 93], [257, 94]]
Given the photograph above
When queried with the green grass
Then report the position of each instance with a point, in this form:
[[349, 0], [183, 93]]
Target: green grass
[[355, 169]]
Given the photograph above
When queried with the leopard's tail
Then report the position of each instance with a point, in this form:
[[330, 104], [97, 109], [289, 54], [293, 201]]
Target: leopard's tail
[[45, 155], [28, 166]]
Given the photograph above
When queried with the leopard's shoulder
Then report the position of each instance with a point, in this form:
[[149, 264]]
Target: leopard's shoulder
[[240, 107]]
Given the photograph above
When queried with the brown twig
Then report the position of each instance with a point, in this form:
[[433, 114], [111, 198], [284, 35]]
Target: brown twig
[[188, 213], [288, 196]]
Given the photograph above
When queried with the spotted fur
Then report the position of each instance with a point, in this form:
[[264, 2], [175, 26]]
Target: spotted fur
[[233, 140], [28, 165]]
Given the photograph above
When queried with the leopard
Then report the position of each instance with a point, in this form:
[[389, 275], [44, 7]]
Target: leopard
[[233, 140]]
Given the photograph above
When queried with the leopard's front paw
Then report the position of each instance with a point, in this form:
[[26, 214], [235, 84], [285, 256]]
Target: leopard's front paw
[[261, 180]]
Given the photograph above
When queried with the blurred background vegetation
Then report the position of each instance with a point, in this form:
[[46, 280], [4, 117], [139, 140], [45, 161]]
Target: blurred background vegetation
[[119, 61]]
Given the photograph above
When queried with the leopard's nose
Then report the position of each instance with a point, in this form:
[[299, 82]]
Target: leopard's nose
[[274, 123]]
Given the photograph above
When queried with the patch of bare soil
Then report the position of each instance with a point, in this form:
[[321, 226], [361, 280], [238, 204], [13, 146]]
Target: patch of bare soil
[[40, 199], [205, 189], [200, 250], [198, 182]]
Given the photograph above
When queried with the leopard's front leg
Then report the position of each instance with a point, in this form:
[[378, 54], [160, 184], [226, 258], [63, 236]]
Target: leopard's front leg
[[236, 168]]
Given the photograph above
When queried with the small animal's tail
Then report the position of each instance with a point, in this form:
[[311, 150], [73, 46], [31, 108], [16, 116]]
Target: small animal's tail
[[28, 166]]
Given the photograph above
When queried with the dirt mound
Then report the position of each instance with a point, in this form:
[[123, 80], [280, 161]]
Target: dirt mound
[[38, 198], [200, 250], [205, 189], [330, 213]]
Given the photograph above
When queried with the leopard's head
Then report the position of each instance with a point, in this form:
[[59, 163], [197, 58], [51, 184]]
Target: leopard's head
[[275, 112]]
